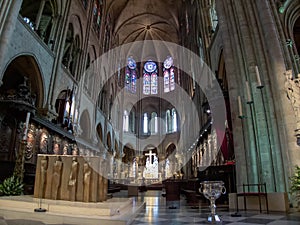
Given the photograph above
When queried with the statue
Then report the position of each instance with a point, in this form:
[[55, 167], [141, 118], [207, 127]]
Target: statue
[[70, 178], [65, 149], [75, 150], [73, 179], [86, 181], [57, 168], [56, 149], [43, 175], [29, 151], [44, 142]]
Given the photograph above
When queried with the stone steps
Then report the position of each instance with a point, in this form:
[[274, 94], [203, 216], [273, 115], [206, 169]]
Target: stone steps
[[115, 211]]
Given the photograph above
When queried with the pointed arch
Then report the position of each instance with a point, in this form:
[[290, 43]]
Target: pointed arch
[[24, 68], [73, 46], [154, 123], [126, 121], [64, 108], [174, 120], [168, 121], [145, 123], [129, 154], [132, 118], [100, 132], [85, 125], [109, 142]]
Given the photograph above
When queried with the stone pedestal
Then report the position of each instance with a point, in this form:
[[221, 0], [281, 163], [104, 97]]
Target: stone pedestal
[[71, 178]]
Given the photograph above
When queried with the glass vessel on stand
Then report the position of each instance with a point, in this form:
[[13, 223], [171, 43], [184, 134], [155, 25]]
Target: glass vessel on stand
[[212, 190]]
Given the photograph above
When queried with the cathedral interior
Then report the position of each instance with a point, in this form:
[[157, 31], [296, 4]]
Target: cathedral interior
[[186, 90]]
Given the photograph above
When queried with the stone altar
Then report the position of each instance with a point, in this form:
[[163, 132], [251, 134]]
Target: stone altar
[[70, 178]]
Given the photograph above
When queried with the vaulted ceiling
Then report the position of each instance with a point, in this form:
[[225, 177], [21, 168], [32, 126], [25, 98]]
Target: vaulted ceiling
[[136, 20]]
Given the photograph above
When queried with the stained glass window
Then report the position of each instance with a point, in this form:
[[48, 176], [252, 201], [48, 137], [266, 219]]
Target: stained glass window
[[166, 81], [169, 75], [130, 75], [154, 85], [150, 78], [97, 15], [213, 15]]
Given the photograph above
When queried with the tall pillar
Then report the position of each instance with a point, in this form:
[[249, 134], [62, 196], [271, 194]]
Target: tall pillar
[[243, 25], [39, 15], [9, 11]]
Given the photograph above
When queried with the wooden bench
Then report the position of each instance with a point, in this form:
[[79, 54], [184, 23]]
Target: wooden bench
[[191, 192], [192, 197], [258, 190], [113, 188]]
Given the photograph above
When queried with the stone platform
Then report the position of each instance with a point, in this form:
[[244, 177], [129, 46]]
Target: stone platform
[[115, 211]]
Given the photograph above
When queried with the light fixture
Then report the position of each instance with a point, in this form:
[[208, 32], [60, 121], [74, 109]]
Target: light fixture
[[206, 108]]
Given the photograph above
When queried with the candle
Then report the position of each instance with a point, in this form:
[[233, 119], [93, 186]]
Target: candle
[[26, 126], [249, 99], [257, 77], [240, 107]]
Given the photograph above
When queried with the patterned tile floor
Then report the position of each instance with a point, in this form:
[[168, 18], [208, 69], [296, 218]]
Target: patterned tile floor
[[156, 213]]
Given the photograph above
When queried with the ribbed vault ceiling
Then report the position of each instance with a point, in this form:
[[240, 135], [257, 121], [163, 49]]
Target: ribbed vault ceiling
[[136, 20]]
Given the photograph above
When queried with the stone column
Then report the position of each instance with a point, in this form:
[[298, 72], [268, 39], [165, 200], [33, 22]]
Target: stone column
[[255, 40], [9, 11], [162, 165], [137, 168], [39, 15], [180, 160], [119, 164]]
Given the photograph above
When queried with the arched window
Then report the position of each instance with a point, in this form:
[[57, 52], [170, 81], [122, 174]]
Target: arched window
[[132, 121], [168, 121], [145, 123], [213, 15], [64, 106], [75, 55], [97, 15], [126, 121], [39, 16], [174, 120], [88, 61], [130, 75], [85, 3], [117, 115], [169, 75], [71, 51], [154, 123], [150, 78]]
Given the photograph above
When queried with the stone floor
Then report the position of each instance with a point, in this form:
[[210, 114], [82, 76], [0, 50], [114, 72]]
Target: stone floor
[[157, 213]]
